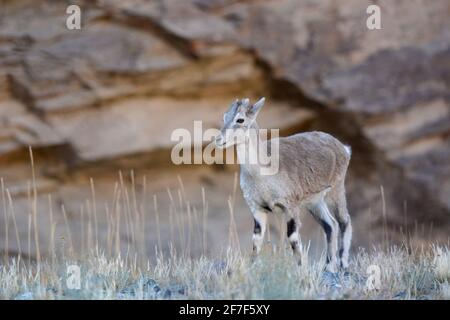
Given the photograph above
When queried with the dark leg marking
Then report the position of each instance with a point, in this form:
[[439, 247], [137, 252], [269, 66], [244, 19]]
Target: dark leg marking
[[257, 227], [266, 208], [290, 227], [343, 226], [327, 228], [342, 229]]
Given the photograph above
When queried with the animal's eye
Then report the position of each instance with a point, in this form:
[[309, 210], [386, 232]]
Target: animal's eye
[[240, 120]]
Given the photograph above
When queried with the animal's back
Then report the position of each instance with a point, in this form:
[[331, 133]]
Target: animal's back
[[317, 159]]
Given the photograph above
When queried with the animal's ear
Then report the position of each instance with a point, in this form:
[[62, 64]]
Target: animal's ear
[[254, 109]]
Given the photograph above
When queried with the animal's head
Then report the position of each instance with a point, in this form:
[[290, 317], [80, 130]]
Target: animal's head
[[237, 122]]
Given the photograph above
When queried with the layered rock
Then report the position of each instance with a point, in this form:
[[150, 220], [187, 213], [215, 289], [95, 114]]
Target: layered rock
[[107, 97]]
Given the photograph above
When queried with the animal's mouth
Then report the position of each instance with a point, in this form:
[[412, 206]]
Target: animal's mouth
[[220, 141], [221, 144]]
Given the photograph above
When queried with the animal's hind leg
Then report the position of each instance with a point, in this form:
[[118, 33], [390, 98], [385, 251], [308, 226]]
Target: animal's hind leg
[[345, 228], [322, 214]]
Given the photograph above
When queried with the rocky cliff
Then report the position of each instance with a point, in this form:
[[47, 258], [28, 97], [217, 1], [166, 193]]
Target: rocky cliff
[[105, 98]]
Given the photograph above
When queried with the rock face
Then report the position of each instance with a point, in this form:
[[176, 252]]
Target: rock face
[[105, 98]]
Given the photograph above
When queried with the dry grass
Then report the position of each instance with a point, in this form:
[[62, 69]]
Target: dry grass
[[111, 271], [274, 275]]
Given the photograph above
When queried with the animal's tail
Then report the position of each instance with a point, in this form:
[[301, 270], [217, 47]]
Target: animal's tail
[[348, 149]]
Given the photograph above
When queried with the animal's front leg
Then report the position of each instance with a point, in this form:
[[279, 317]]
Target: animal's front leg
[[260, 219], [293, 227]]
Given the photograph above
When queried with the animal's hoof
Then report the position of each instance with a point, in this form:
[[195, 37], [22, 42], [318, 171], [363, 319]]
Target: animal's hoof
[[346, 274], [330, 279], [331, 268], [343, 266]]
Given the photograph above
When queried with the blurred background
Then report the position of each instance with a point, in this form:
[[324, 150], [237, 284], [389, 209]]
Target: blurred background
[[98, 105]]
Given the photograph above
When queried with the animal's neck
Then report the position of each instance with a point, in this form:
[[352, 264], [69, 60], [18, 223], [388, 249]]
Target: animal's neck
[[247, 151]]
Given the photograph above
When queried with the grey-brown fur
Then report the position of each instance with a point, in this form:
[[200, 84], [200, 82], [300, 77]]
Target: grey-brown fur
[[312, 169]]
